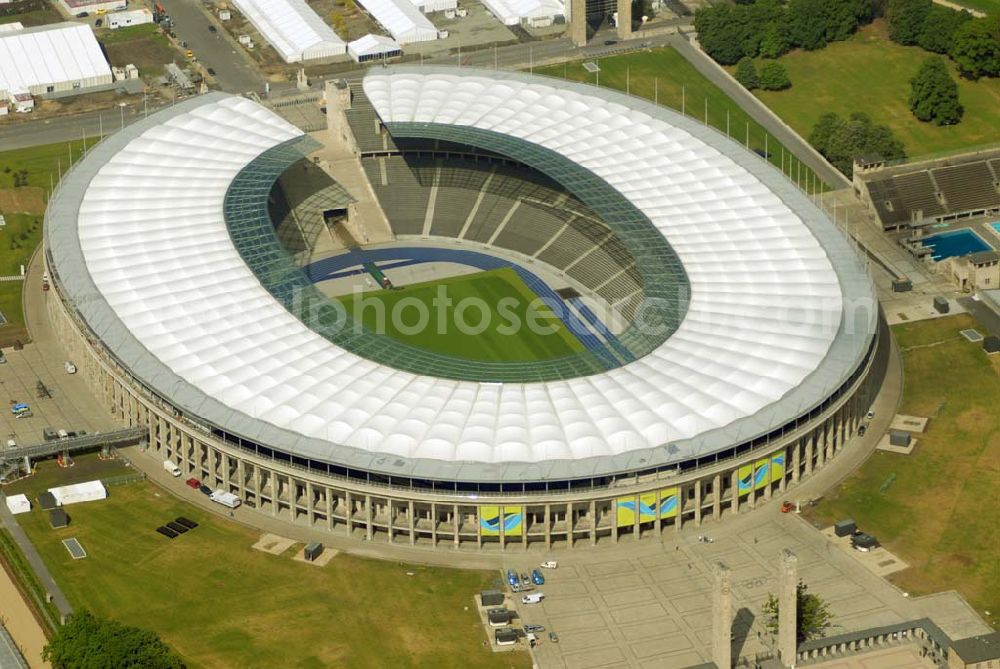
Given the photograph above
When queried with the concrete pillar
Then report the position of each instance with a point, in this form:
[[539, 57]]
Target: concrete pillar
[[752, 495], [273, 478], [369, 530], [548, 526], [821, 438], [388, 503], [578, 22], [782, 482], [722, 617], [809, 453], [593, 522], [329, 507], [310, 504], [412, 523], [734, 501], [717, 497], [524, 527], [349, 513], [788, 580], [796, 460], [697, 503], [256, 484], [624, 19], [500, 528], [635, 525], [457, 522]]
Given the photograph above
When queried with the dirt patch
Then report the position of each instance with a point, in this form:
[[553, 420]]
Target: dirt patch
[[20, 622], [273, 544], [973, 420], [25, 200]]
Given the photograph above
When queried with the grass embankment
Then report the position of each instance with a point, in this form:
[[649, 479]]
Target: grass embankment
[[23, 207], [220, 603], [664, 75], [941, 512], [871, 74], [498, 298]]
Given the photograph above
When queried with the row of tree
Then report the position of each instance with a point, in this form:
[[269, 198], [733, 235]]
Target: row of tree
[[89, 642], [771, 28], [972, 43]]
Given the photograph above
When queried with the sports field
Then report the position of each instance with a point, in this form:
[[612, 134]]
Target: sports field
[[941, 511], [487, 319], [220, 603], [663, 75], [843, 78]]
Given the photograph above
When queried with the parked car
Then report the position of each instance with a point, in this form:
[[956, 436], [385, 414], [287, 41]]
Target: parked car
[[212, 29], [70, 367], [211, 72], [537, 578], [861, 430], [550, 564], [863, 542], [511, 576], [553, 637], [3, 358], [193, 483], [19, 407], [530, 629], [533, 598], [871, 414], [787, 507], [49, 434], [205, 490], [610, 42], [98, 23]]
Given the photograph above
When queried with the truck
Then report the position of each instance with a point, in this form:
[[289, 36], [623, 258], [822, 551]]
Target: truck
[[533, 598], [171, 468], [225, 498]]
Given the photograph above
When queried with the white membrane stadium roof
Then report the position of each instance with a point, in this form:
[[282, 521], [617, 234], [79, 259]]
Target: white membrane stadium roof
[[292, 28], [140, 245], [63, 52]]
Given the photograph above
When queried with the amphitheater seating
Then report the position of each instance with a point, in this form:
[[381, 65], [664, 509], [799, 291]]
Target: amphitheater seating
[[967, 187], [888, 204], [919, 193], [490, 202]]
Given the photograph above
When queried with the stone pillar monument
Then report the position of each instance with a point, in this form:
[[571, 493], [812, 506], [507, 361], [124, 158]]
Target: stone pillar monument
[[788, 580], [722, 617], [578, 22], [624, 19]]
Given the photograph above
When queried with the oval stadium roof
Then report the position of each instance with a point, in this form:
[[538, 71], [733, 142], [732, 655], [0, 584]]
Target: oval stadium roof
[[139, 243]]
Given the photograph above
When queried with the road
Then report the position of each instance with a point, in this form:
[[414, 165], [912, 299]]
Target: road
[[234, 70], [68, 128]]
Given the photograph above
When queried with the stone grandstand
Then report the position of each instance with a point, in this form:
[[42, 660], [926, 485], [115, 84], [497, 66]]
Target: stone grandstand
[[914, 194], [447, 191]]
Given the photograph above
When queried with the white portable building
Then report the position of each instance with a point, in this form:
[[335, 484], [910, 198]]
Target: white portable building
[[50, 59], [402, 20], [133, 17], [428, 6], [11, 27], [373, 47], [79, 492], [295, 31], [18, 504], [535, 13]]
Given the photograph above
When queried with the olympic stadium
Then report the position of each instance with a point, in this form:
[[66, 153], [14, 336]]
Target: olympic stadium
[[714, 339]]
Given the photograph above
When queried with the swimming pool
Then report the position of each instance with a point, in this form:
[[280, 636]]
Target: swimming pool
[[956, 243], [996, 226]]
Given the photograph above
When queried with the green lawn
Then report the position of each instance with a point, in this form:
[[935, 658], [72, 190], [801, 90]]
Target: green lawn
[[45, 14], [22, 209], [941, 513], [869, 73], [504, 297], [665, 76], [989, 6], [144, 46], [220, 603]]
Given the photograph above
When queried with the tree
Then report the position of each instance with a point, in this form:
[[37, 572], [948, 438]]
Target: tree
[[906, 19], [841, 141], [975, 48], [775, 41], [88, 642], [813, 614], [746, 74], [939, 28], [934, 94], [844, 16], [773, 76], [807, 23]]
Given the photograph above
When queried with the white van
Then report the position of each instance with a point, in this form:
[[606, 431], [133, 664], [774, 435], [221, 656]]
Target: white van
[[63, 434], [533, 598], [70, 367], [225, 498], [171, 468], [11, 443]]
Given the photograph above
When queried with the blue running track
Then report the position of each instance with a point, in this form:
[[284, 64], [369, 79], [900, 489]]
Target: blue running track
[[350, 263], [602, 330]]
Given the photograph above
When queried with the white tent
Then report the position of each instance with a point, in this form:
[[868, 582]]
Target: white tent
[[373, 47], [53, 58], [79, 492], [18, 504], [533, 12], [402, 20], [428, 6], [295, 31]]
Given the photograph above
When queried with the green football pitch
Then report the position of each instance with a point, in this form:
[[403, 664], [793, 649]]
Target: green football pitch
[[489, 316]]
